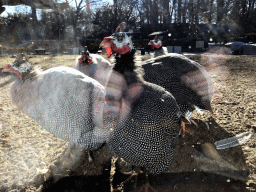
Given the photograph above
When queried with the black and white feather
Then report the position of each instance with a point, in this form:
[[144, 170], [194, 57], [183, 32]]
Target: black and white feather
[[144, 118], [187, 80]]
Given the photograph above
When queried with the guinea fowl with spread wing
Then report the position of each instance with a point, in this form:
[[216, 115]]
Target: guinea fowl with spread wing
[[187, 80], [61, 100]]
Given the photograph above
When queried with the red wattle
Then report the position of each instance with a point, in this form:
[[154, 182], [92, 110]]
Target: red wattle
[[154, 46], [80, 60], [109, 51], [84, 58]]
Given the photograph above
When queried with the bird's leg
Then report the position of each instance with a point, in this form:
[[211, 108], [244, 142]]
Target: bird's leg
[[90, 158], [147, 186], [183, 121], [187, 119], [112, 173], [131, 174], [134, 173], [183, 128], [90, 164]]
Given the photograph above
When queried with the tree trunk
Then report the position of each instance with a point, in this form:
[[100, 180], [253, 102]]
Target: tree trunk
[[179, 11], [34, 23], [220, 5], [191, 12], [115, 15], [173, 8], [166, 12], [210, 12], [197, 12], [184, 12], [147, 11], [155, 15]]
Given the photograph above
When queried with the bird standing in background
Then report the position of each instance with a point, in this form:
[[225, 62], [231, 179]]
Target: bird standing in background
[[94, 66], [61, 100], [157, 45]]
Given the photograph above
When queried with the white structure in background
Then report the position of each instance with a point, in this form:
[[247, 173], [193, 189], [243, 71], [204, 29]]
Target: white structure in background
[[250, 49], [238, 47], [174, 49]]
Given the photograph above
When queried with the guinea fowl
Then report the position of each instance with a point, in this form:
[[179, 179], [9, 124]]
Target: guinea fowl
[[187, 80], [94, 66], [61, 100], [146, 117], [157, 45]]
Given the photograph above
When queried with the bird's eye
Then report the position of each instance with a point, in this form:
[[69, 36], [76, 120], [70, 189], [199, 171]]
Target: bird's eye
[[120, 39]]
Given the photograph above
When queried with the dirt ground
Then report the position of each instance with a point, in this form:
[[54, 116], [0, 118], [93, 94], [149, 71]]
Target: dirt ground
[[33, 160]]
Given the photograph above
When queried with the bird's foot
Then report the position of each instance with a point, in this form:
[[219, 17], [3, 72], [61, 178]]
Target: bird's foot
[[185, 130], [146, 188], [131, 174], [120, 187]]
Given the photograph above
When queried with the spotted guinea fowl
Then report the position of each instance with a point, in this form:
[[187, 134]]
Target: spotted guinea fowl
[[146, 117], [61, 100], [94, 66], [157, 45], [187, 80]]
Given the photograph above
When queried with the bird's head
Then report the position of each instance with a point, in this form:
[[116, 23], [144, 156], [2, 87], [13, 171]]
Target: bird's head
[[85, 58], [119, 42], [156, 43], [19, 67]]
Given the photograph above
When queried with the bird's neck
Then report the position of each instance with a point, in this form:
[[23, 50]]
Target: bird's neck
[[31, 74], [125, 65], [159, 52]]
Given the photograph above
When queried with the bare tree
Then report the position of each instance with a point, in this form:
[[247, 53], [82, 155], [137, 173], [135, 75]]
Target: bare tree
[[220, 6], [173, 10], [75, 16], [115, 13], [184, 12], [191, 12], [179, 12], [208, 10]]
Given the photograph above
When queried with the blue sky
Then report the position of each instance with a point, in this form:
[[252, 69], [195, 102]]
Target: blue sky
[[27, 9]]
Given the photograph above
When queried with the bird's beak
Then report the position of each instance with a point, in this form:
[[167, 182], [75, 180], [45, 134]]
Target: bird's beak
[[107, 43], [154, 46], [150, 43], [9, 68]]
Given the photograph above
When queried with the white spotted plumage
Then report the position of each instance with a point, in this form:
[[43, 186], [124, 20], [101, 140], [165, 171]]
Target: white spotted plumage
[[65, 102], [147, 135]]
